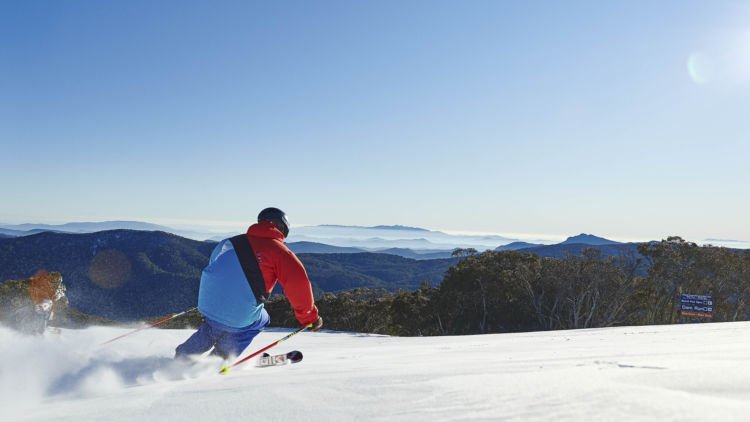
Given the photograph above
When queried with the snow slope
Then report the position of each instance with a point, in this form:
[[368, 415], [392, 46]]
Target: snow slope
[[686, 372]]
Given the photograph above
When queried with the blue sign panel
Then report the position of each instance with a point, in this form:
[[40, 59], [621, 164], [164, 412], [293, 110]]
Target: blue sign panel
[[696, 306]]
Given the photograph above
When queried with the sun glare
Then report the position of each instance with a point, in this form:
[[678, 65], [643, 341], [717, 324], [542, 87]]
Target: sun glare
[[741, 55], [724, 60]]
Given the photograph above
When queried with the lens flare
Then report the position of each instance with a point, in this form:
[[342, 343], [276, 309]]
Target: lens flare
[[700, 67], [109, 269]]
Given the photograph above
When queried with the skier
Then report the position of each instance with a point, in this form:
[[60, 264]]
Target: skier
[[241, 273], [46, 293]]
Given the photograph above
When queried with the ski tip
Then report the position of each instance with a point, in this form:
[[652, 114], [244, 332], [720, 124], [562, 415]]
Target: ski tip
[[224, 370], [294, 356]]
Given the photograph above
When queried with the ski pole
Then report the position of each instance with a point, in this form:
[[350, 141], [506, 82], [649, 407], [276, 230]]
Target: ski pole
[[225, 368], [153, 324]]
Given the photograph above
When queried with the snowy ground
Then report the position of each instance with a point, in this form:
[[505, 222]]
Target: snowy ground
[[687, 372]]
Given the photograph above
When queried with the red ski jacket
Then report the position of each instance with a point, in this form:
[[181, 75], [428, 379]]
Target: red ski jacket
[[277, 262]]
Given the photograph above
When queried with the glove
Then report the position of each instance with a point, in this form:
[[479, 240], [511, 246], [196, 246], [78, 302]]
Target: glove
[[317, 325]]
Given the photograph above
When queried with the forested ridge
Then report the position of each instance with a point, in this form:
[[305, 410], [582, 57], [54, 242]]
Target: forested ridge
[[471, 293], [132, 274], [508, 291]]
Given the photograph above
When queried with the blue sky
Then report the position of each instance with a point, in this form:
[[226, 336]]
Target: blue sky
[[628, 119]]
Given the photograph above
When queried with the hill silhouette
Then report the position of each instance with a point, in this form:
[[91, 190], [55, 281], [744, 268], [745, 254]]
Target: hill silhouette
[[130, 274]]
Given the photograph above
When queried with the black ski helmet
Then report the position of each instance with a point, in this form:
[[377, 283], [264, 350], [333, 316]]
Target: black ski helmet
[[277, 217]]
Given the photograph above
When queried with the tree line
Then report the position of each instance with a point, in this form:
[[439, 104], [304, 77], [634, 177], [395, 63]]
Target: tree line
[[508, 291]]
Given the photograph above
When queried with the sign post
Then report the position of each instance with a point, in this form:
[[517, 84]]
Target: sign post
[[696, 306]]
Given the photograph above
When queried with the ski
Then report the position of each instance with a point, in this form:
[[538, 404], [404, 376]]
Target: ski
[[225, 369], [294, 356]]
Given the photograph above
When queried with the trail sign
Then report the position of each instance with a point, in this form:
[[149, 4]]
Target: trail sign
[[697, 306]]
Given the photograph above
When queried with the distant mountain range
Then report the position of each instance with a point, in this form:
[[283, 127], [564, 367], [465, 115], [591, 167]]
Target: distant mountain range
[[85, 227], [313, 247], [581, 239], [379, 238], [129, 274], [408, 242], [93, 227], [384, 227], [396, 239], [588, 239], [575, 245], [514, 246], [322, 248], [400, 240]]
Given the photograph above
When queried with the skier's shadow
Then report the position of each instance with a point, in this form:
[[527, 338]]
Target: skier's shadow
[[100, 375]]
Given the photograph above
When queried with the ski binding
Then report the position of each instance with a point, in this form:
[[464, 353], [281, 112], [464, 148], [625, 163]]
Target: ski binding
[[278, 360]]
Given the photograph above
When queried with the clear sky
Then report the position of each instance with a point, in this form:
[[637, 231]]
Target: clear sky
[[627, 119]]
